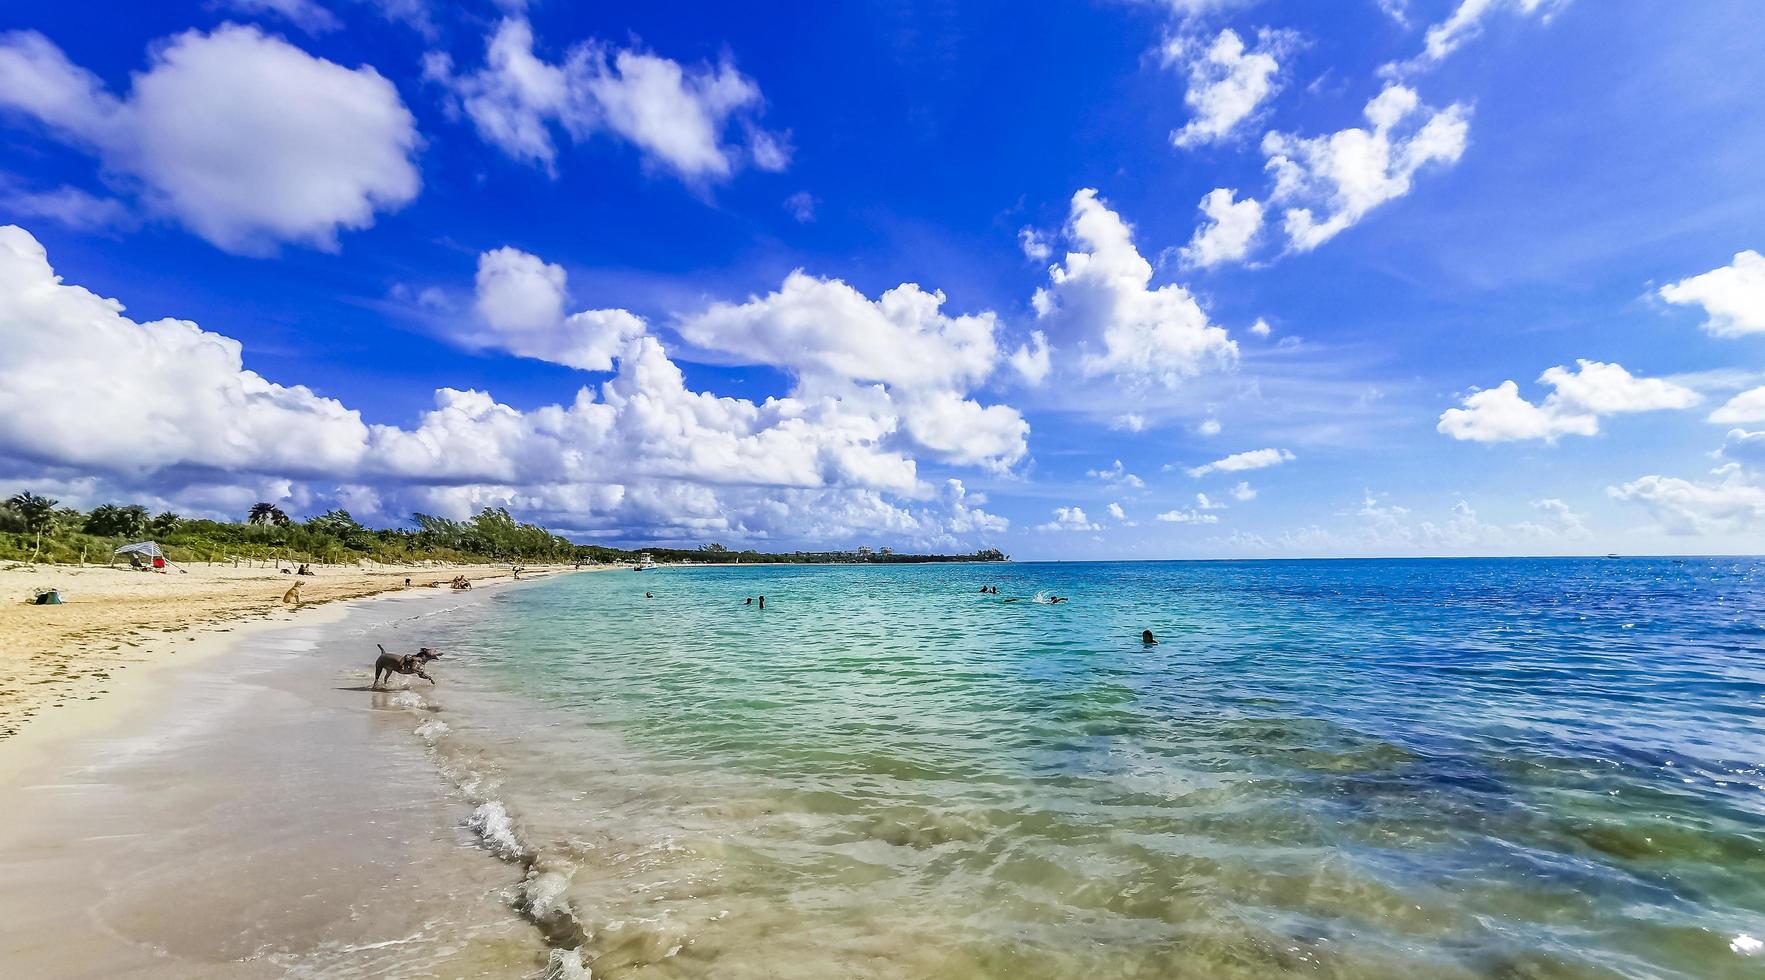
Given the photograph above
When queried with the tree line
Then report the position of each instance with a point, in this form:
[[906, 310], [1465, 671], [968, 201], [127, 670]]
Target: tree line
[[35, 527], [38, 528]]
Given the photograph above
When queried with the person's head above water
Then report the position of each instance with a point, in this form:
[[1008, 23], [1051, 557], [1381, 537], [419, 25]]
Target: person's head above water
[[1147, 638]]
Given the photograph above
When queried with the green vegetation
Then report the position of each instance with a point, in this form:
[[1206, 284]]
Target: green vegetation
[[34, 528]]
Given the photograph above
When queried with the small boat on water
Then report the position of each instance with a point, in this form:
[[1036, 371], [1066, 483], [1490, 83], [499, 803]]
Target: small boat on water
[[644, 563]]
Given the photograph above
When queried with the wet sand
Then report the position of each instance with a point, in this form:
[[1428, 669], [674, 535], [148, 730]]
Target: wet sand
[[255, 811], [115, 619]]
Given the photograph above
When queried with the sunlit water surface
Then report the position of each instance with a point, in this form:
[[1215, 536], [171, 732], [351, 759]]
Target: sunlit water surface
[[1516, 768]]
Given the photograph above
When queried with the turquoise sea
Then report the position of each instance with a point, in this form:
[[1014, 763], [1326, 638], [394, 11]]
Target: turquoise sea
[[1453, 769]]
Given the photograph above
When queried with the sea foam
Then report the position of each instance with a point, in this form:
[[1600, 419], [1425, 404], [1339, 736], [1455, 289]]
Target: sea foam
[[490, 821]]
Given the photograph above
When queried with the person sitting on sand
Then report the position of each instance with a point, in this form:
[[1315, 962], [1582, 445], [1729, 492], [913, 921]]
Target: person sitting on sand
[[1148, 639]]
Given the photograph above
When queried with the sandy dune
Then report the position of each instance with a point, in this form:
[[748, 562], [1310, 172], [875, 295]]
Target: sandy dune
[[113, 617]]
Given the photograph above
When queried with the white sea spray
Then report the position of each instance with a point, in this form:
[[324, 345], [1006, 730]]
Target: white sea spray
[[432, 729], [490, 821], [565, 964]]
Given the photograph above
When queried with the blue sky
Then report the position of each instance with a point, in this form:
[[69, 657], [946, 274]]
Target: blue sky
[[679, 266]]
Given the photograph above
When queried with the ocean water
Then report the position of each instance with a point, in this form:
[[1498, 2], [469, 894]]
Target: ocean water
[[1354, 769]]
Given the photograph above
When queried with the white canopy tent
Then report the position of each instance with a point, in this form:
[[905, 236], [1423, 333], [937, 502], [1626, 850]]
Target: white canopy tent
[[148, 550]]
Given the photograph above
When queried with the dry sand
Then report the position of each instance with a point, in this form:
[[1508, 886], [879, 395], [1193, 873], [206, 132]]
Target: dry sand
[[115, 618]]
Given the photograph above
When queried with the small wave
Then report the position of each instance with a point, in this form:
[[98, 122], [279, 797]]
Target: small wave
[[543, 898], [432, 729], [565, 964], [407, 699], [490, 821], [1746, 945]]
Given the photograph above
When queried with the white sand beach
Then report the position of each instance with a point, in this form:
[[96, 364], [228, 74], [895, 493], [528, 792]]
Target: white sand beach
[[248, 808], [114, 619]]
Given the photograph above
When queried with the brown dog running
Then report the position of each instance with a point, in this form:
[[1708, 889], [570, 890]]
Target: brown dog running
[[389, 664]]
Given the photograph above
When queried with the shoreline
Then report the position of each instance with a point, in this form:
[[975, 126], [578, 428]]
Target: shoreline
[[117, 623], [145, 828]]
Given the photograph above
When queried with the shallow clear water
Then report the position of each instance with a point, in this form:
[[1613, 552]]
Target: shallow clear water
[[1516, 768]]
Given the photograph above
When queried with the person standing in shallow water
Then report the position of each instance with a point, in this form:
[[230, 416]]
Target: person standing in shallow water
[[762, 602]]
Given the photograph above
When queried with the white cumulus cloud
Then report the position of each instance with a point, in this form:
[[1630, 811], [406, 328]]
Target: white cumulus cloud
[[835, 339], [1101, 299], [697, 122], [1748, 406], [1351, 172], [244, 138], [177, 416], [1744, 447], [1228, 82], [1229, 232], [1733, 501], [1733, 297], [1070, 519], [1578, 399], [520, 304], [1118, 475]]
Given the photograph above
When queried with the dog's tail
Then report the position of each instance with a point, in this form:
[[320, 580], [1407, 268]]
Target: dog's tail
[[382, 649]]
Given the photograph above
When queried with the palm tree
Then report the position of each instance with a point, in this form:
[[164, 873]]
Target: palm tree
[[165, 524], [114, 521], [265, 513], [37, 512]]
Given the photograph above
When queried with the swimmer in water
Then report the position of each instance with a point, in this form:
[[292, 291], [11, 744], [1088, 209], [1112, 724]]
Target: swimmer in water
[[749, 602], [1148, 639], [649, 595], [762, 602]]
